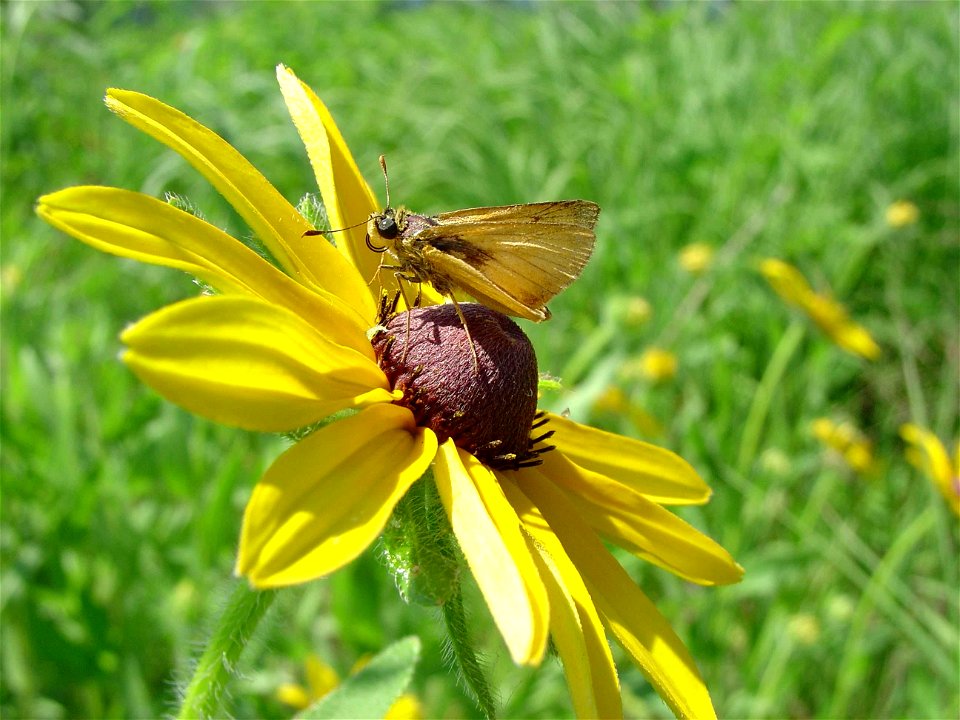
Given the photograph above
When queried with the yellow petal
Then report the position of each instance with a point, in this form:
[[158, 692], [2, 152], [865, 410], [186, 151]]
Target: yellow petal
[[639, 628], [346, 196], [852, 337], [575, 626], [275, 221], [786, 280], [489, 534], [132, 225], [293, 695], [321, 677], [243, 362], [936, 462], [641, 526], [405, 707], [655, 473], [829, 315], [329, 496], [832, 318], [857, 339], [143, 228]]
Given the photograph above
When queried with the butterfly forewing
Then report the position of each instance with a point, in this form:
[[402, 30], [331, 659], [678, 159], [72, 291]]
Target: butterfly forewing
[[562, 212], [514, 258]]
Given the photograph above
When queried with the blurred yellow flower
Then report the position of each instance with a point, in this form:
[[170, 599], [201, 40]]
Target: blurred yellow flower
[[634, 310], [405, 707], [775, 461], [847, 442], [696, 258], [805, 628], [322, 679], [657, 364], [613, 401], [902, 213], [10, 277], [927, 453], [829, 315]]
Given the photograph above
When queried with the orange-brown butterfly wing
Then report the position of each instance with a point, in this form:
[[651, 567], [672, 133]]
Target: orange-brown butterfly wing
[[513, 258]]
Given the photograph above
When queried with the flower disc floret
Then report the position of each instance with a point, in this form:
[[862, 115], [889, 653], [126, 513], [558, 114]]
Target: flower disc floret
[[488, 408]]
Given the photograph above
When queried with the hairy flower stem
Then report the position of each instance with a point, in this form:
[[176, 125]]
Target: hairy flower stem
[[243, 612], [463, 654], [420, 550]]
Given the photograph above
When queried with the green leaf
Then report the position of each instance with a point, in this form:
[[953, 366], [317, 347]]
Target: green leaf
[[371, 692]]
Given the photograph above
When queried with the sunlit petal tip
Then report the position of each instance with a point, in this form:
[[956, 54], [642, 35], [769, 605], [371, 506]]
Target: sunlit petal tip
[[110, 98], [654, 472], [858, 340], [118, 101], [624, 609], [641, 526], [347, 197]]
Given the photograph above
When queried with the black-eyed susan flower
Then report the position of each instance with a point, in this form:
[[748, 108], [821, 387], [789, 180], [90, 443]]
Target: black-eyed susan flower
[[927, 453], [902, 213], [654, 364], [804, 628], [829, 315], [282, 348], [321, 679], [847, 442], [613, 402], [696, 258], [633, 311]]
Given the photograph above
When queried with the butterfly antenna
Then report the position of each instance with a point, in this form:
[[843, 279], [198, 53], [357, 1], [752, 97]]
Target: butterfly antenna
[[325, 231], [386, 180]]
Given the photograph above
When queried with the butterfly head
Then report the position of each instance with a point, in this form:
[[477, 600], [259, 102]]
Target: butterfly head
[[383, 228]]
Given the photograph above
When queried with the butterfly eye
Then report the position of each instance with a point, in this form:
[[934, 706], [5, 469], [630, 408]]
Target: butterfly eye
[[387, 226]]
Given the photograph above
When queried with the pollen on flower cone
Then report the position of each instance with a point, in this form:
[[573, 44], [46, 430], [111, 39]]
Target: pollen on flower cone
[[486, 408]]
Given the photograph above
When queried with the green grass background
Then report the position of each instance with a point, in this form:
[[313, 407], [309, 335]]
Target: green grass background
[[767, 129]]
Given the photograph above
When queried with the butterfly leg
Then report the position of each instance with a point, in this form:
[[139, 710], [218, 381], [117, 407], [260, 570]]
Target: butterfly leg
[[400, 276], [463, 321]]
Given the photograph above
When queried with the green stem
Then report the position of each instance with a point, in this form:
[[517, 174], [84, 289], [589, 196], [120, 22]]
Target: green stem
[[420, 549], [772, 376], [245, 608], [461, 648], [855, 662]]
